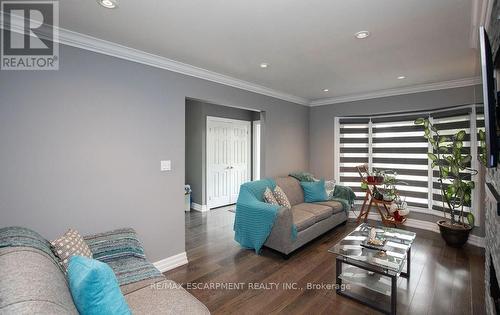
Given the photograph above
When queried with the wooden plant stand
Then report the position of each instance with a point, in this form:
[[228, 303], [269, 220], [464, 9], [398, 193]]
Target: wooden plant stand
[[382, 207]]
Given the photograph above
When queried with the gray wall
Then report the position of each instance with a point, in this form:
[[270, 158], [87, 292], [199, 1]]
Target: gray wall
[[196, 126], [321, 146], [80, 147]]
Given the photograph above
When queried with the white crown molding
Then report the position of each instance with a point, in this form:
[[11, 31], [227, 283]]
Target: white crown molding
[[425, 225], [171, 262], [398, 91], [86, 42]]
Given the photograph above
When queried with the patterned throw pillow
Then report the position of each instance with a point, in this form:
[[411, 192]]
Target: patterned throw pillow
[[269, 197], [68, 245], [281, 197], [115, 245], [330, 188]]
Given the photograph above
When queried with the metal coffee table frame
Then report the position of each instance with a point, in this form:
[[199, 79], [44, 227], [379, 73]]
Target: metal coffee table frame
[[340, 260]]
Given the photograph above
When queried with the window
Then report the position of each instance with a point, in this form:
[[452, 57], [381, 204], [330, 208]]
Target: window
[[395, 143]]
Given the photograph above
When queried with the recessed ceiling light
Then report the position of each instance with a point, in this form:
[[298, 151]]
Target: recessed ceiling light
[[108, 4], [362, 34], [401, 77], [264, 65], [326, 90]]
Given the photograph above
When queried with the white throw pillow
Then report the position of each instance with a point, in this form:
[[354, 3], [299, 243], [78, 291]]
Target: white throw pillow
[[330, 188]]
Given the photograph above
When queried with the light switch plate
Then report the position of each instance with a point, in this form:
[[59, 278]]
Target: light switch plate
[[165, 165]]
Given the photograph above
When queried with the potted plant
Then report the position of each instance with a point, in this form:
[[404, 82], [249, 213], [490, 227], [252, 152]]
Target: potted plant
[[379, 176], [456, 191], [390, 182]]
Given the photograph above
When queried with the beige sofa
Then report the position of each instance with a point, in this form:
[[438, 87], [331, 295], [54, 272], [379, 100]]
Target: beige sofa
[[31, 282], [311, 219]]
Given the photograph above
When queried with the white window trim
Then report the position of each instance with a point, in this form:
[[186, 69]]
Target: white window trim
[[336, 153]]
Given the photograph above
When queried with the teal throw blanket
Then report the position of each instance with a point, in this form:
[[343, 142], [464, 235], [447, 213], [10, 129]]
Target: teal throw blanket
[[254, 218], [344, 195]]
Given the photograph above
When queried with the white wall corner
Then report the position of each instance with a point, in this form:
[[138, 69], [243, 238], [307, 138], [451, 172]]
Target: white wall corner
[[171, 262], [197, 207]]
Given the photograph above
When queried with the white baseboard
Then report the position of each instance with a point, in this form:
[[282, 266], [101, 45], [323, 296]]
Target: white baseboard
[[425, 225], [476, 241], [198, 207], [171, 262]]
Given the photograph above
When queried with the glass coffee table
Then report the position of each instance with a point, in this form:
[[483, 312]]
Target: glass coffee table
[[373, 269]]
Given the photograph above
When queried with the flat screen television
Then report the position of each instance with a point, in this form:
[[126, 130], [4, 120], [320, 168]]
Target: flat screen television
[[489, 99]]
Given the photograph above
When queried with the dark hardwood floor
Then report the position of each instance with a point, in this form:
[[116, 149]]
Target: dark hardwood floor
[[444, 280]]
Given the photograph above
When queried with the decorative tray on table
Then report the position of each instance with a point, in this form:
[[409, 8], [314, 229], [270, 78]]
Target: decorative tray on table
[[375, 244]]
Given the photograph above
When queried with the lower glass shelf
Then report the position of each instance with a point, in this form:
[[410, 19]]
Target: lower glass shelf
[[366, 279]]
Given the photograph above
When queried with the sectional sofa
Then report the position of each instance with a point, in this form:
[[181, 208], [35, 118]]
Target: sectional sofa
[[32, 282]]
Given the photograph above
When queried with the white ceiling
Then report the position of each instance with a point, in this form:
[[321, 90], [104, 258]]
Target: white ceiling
[[309, 44]]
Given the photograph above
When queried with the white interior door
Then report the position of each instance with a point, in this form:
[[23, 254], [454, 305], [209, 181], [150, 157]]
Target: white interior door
[[256, 150], [240, 157], [228, 159]]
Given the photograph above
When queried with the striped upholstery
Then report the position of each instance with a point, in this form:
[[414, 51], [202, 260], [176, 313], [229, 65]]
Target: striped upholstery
[[123, 252], [110, 245], [15, 236]]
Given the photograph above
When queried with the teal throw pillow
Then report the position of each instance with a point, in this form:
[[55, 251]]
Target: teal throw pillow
[[94, 287], [314, 191]]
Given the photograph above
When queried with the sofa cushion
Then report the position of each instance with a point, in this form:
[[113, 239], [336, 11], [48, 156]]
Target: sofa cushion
[[31, 282], [319, 211], [329, 188], [281, 197], [68, 245], [270, 198], [94, 287], [166, 297], [291, 188], [123, 252], [314, 191], [302, 219], [335, 205]]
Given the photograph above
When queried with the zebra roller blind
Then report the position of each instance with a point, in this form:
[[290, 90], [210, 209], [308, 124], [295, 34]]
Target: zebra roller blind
[[395, 143], [354, 149], [399, 145]]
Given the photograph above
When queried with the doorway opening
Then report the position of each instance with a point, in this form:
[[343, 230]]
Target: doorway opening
[[223, 151], [228, 159]]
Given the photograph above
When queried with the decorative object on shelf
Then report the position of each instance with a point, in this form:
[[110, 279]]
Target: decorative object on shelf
[[375, 196], [373, 240], [391, 193], [456, 191], [399, 208], [379, 176], [364, 173]]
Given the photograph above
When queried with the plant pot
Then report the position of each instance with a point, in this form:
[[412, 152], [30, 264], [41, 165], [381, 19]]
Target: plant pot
[[377, 195], [379, 179], [370, 179], [454, 235], [388, 197]]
